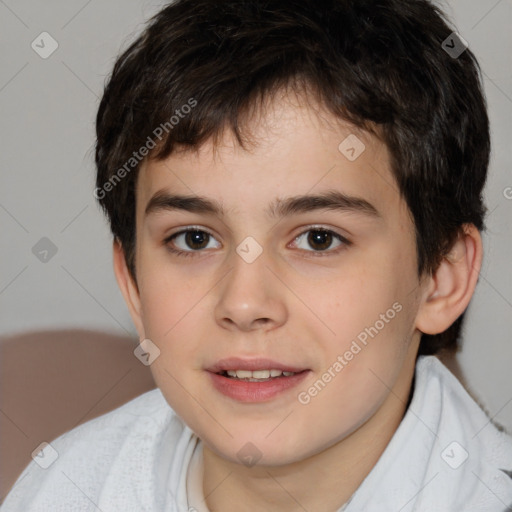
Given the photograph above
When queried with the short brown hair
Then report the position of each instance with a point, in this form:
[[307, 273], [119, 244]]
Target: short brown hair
[[370, 62]]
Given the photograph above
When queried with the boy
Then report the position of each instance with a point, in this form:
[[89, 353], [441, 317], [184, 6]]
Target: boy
[[295, 194]]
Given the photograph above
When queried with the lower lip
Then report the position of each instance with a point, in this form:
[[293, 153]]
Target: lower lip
[[244, 391]]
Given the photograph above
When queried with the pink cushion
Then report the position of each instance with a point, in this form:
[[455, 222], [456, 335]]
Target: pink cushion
[[52, 381]]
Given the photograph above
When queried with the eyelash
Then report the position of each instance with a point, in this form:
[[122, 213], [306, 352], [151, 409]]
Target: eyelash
[[345, 243]]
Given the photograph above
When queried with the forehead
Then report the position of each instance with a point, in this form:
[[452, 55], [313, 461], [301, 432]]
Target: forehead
[[295, 149]]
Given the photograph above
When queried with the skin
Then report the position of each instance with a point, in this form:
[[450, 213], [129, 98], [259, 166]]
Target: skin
[[289, 305]]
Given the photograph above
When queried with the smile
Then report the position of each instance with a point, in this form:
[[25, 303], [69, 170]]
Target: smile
[[256, 376], [254, 380]]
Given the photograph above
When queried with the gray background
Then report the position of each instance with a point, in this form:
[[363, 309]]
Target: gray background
[[48, 108]]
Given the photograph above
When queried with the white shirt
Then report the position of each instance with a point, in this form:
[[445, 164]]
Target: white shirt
[[446, 456]]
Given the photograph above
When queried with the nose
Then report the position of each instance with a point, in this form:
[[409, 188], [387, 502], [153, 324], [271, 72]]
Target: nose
[[251, 297]]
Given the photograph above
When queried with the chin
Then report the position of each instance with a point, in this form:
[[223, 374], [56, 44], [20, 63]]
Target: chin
[[260, 451]]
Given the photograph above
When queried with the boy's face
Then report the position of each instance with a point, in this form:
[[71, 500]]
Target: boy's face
[[342, 314]]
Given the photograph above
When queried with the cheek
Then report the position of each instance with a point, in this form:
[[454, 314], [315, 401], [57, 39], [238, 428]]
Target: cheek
[[360, 368], [170, 312], [353, 299], [167, 297], [369, 314]]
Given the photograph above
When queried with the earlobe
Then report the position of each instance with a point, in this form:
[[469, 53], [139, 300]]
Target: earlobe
[[128, 287], [450, 289]]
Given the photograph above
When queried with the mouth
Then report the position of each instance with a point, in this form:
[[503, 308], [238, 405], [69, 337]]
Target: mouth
[[254, 380], [257, 375]]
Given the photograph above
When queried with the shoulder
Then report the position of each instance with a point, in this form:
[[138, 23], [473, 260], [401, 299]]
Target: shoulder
[[472, 451], [460, 413], [84, 461], [446, 454]]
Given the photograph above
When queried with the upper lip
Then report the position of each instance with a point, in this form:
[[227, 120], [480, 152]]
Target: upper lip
[[254, 364]]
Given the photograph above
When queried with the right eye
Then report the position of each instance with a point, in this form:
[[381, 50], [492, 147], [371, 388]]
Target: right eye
[[196, 239]]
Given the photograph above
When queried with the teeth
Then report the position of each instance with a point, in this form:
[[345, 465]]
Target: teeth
[[257, 374]]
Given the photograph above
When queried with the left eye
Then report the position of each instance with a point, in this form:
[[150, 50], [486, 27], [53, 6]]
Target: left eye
[[321, 239]]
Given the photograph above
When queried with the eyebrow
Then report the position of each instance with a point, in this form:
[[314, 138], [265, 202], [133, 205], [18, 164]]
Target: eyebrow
[[279, 208]]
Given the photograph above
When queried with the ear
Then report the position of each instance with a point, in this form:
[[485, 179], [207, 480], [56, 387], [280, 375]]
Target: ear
[[449, 291], [128, 288]]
